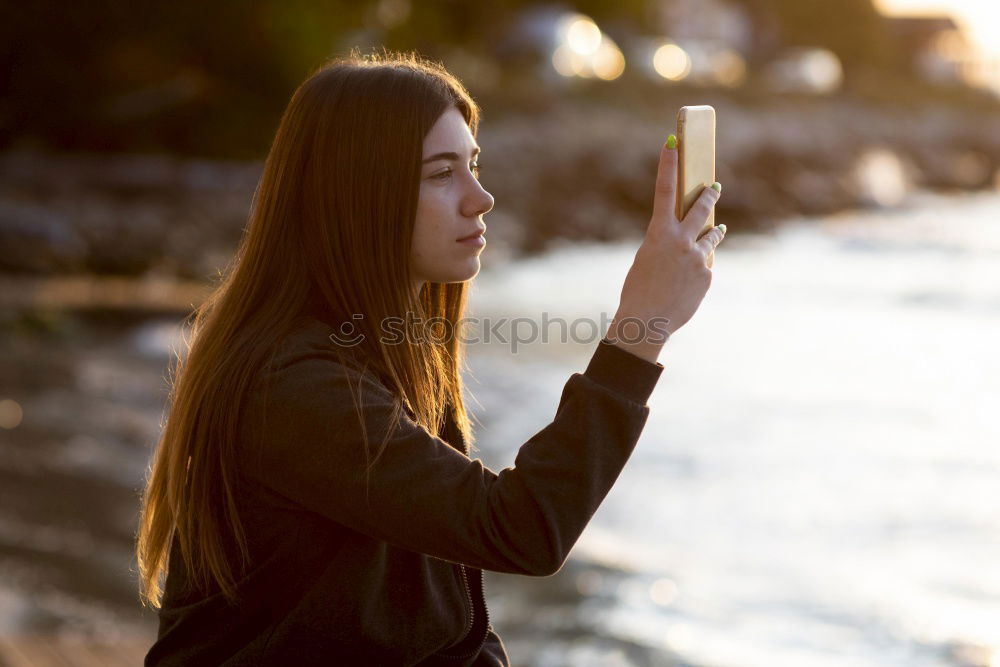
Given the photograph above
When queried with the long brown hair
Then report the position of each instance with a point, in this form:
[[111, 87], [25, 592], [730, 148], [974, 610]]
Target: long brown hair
[[331, 222]]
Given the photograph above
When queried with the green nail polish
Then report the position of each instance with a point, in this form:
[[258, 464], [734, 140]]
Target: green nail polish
[[717, 186], [671, 142], [723, 228]]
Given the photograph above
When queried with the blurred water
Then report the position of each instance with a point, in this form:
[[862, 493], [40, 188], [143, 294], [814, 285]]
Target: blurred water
[[818, 482], [819, 479]]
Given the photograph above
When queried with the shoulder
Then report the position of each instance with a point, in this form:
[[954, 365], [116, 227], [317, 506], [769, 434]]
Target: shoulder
[[317, 403], [315, 397], [310, 365]]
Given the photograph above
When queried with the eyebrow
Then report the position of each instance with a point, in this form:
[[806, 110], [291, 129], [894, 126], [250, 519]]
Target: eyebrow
[[447, 156]]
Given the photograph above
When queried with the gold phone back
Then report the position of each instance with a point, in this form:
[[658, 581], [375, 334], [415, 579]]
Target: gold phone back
[[696, 153]]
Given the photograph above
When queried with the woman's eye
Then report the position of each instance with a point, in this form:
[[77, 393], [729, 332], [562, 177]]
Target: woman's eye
[[447, 173]]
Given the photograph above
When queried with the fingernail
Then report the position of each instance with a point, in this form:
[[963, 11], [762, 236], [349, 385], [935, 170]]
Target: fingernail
[[723, 228], [717, 186], [671, 142]]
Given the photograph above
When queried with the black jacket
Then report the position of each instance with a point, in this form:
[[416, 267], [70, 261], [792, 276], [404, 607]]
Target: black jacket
[[394, 578]]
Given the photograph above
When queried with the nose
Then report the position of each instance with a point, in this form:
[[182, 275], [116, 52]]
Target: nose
[[487, 203], [480, 202]]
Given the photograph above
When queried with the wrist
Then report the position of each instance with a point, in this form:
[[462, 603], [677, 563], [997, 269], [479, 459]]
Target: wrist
[[644, 338]]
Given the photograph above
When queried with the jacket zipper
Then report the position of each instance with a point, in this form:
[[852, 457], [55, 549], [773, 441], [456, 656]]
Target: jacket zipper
[[468, 595], [472, 613]]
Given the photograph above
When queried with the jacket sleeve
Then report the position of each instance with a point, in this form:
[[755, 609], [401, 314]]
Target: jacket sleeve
[[426, 496]]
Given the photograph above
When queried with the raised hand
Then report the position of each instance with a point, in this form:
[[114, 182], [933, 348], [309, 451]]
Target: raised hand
[[671, 272]]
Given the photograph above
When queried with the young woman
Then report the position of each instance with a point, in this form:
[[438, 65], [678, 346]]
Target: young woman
[[312, 500]]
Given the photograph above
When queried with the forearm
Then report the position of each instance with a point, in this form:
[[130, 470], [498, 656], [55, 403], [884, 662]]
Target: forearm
[[642, 337]]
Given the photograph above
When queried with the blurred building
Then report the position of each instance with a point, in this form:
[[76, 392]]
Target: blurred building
[[801, 70], [939, 51], [698, 41], [718, 42], [710, 22], [562, 45], [706, 41]]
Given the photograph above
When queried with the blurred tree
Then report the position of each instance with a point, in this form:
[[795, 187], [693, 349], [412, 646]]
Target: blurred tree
[[191, 77], [209, 78]]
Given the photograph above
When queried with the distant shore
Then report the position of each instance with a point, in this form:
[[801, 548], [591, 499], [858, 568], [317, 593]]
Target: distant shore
[[571, 172]]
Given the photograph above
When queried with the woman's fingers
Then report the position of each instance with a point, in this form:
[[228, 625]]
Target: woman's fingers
[[665, 204], [696, 217], [664, 198], [709, 241]]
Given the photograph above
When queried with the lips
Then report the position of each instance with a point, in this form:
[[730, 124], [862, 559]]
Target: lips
[[478, 232]]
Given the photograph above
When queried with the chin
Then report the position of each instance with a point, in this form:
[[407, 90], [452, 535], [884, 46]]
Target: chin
[[458, 274]]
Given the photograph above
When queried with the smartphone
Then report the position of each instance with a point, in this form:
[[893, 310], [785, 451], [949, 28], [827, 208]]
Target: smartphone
[[696, 159]]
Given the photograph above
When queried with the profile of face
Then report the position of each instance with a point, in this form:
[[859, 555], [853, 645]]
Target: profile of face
[[452, 203]]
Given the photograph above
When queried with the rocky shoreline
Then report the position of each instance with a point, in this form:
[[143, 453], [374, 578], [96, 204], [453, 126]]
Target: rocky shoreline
[[580, 172]]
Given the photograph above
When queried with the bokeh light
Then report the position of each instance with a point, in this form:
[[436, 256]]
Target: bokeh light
[[10, 414], [608, 62], [584, 51], [583, 35], [672, 62]]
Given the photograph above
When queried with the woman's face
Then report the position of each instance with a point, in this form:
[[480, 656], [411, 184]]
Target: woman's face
[[452, 203]]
